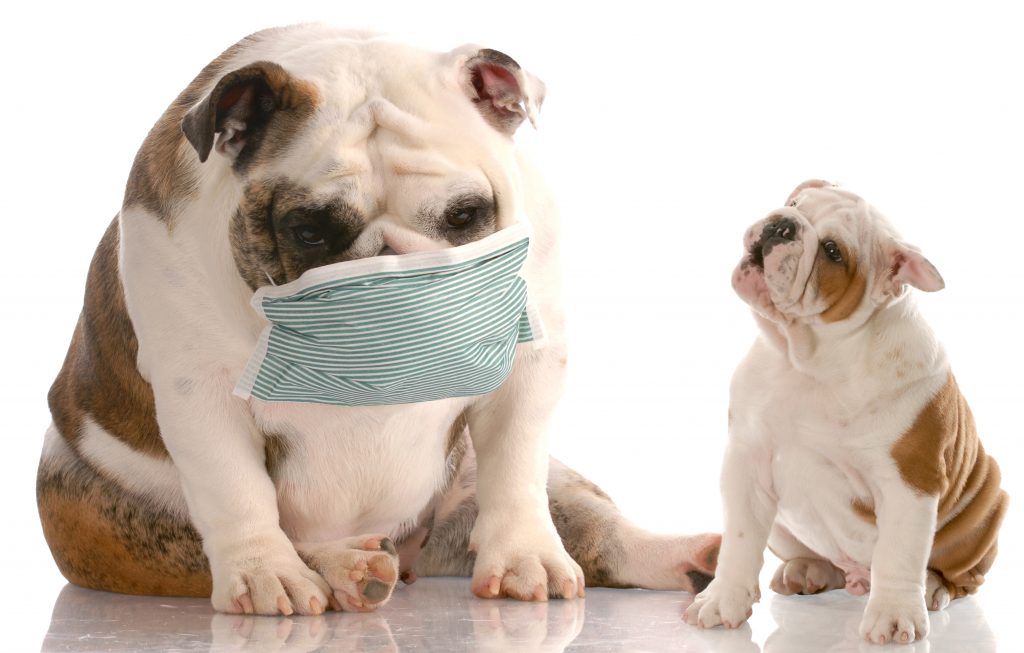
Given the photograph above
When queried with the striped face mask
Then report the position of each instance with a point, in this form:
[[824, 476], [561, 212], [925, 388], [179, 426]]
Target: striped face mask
[[395, 329]]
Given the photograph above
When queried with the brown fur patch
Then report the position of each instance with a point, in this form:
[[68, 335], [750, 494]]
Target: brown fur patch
[[106, 539], [276, 449], [864, 510], [941, 455], [265, 98], [100, 377], [841, 285], [262, 238], [456, 447], [163, 172], [296, 101]]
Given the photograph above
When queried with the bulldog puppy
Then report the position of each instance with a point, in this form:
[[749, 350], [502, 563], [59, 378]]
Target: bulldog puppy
[[297, 148], [852, 453]]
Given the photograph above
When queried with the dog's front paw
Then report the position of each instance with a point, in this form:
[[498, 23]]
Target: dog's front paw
[[891, 617], [722, 603], [262, 580], [362, 571], [525, 562]]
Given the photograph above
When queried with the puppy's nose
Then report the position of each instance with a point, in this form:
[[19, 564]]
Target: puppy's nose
[[784, 228]]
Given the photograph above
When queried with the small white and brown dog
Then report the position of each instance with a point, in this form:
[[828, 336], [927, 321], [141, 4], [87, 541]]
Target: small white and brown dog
[[296, 148], [852, 454]]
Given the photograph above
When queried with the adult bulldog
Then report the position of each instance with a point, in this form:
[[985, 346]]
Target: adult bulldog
[[296, 149]]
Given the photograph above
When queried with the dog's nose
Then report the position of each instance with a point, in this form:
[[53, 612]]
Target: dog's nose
[[784, 228]]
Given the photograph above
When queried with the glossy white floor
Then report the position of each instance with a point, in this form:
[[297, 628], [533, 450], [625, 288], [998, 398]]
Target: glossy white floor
[[439, 614]]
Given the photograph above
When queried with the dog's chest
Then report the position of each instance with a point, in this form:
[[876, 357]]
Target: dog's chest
[[824, 500], [816, 458], [343, 471]]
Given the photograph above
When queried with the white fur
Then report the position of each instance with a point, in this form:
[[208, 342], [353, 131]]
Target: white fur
[[56, 448], [350, 470], [153, 479], [357, 470], [815, 409]]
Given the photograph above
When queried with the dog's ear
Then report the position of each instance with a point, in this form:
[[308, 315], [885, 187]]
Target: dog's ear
[[237, 110], [907, 266], [810, 183], [502, 91]]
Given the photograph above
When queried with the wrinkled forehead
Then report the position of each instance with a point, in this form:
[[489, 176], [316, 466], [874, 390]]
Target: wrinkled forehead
[[833, 209], [386, 110]]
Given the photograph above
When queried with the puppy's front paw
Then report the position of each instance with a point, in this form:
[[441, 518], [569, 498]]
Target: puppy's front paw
[[721, 604], [362, 571], [525, 562], [899, 618]]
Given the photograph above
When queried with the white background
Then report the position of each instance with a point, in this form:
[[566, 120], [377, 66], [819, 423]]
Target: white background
[[666, 133]]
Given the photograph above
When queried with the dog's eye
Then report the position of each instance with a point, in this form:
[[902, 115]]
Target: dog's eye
[[462, 216], [309, 235], [832, 251]]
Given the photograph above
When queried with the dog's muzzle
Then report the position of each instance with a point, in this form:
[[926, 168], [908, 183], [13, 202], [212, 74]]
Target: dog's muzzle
[[777, 231]]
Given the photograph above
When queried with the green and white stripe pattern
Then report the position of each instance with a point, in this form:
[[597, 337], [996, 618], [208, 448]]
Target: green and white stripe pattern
[[395, 329]]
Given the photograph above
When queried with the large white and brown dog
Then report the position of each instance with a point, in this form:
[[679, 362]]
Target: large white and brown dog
[[299, 147], [852, 453]]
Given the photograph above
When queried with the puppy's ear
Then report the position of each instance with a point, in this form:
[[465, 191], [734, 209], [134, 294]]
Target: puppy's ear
[[907, 266], [810, 183], [237, 110], [502, 91]]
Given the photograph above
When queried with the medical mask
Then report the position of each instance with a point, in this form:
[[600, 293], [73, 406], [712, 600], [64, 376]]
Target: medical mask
[[396, 329]]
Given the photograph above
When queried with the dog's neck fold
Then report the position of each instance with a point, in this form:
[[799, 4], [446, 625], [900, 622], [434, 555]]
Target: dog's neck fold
[[893, 344]]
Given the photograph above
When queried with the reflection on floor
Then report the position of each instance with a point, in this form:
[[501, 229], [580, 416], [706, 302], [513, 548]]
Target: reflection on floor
[[440, 614]]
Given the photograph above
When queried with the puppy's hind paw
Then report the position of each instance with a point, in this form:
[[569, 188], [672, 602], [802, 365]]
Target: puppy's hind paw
[[936, 594], [807, 576]]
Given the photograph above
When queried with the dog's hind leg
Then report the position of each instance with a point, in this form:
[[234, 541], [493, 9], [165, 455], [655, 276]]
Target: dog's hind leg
[[612, 551], [105, 538]]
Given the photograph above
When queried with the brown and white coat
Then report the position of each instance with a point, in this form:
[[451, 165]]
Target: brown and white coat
[[852, 453], [300, 147]]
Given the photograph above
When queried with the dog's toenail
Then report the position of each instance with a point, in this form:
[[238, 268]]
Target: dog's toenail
[[387, 545], [284, 606]]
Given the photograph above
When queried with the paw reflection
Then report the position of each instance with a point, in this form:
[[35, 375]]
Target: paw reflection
[[516, 626], [830, 623]]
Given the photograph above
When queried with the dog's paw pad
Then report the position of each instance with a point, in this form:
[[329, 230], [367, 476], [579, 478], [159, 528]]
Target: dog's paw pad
[[361, 571]]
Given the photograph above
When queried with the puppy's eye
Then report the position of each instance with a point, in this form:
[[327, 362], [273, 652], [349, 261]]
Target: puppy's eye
[[832, 251], [309, 235], [462, 216]]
